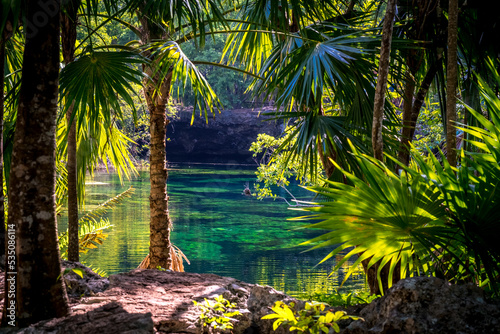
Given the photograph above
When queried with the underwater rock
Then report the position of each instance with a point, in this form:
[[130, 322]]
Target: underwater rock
[[429, 305]]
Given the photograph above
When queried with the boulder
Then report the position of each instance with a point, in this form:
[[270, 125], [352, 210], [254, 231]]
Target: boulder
[[88, 285], [429, 305], [152, 301]]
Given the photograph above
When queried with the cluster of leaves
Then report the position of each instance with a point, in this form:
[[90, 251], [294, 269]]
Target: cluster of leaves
[[430, 127], [230, 86], [218, 314], [431, 219], [312, 319], [276, 168], [342, 299]]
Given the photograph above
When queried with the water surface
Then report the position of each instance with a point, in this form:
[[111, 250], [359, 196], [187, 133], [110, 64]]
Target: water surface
[[218, 228]]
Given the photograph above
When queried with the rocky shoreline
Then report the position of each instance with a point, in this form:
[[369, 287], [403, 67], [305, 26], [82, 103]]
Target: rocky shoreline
[[152, 301]]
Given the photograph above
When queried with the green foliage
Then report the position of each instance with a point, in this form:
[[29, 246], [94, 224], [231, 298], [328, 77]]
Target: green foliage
[[312, 319], [230, 86], [430, 127], [342, 299], [432, 219], [92, 226], [275, 169], [218, 314]]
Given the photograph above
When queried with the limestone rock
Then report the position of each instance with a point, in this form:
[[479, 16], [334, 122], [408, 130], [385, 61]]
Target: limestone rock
[[226, 138], [429, 305], [152, 301], [89, 285], [109, 318]]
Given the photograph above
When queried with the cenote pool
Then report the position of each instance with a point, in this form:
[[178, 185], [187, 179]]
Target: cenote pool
[[219, 229]]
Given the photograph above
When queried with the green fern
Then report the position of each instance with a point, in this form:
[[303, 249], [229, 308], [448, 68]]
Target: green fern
[[92, 226]]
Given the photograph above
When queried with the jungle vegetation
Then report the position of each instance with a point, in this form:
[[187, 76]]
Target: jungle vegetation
[[350, 79]]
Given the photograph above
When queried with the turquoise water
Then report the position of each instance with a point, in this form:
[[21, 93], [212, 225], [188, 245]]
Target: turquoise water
[[219, 229]]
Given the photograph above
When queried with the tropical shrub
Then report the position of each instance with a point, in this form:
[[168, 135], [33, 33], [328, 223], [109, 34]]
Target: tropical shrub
[[342, 299], [218, 314], [430, 219], [312, 319]]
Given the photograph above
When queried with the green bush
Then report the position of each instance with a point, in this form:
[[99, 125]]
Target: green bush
[[432, 219], [312, 319], [218, 314]]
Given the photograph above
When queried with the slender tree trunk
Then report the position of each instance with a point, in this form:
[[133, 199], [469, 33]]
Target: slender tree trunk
[[410, 122], [383, 72], [35, 273], [378, 117], [71, 166], [160, 223], [404, 153], [451, 83], [68, 39]]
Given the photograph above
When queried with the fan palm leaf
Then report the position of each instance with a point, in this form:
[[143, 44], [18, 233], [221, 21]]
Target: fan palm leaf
[[384, 217]]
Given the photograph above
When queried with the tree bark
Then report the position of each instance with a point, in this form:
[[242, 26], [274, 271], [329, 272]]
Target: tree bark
[[68, 39], [71, 167], [451, 83], [410, 122], [404, 153], [39, 292], [383, 72], [378, 117], [157, 100]]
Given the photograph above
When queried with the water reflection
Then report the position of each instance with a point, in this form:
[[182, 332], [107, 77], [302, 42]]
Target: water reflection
[[220, 230]]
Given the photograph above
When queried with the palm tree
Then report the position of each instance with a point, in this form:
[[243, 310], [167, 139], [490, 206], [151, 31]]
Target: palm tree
[[451, 82], [317, 67], [433, 219], [383, 72], [39, 293], [165, 24], [69, 23], [79, 107]]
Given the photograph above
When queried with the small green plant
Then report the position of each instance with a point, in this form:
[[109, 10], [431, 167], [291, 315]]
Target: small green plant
[[312, 319], [218, 314], [342, 299]]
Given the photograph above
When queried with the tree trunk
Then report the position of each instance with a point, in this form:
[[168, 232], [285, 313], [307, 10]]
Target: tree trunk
[[35, 269], [71, 167], [378, 116], [160, 224], [404, 153], [383, 72], [409, 126], [451, 83], [68, 39]]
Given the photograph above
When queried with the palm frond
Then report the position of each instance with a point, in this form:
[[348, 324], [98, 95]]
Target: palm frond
[[99, 82], [171, 59], [92, 225], [386, 217], [108, 205]]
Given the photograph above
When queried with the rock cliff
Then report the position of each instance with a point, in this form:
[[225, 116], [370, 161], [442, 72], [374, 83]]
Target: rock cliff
[[226, 137]]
